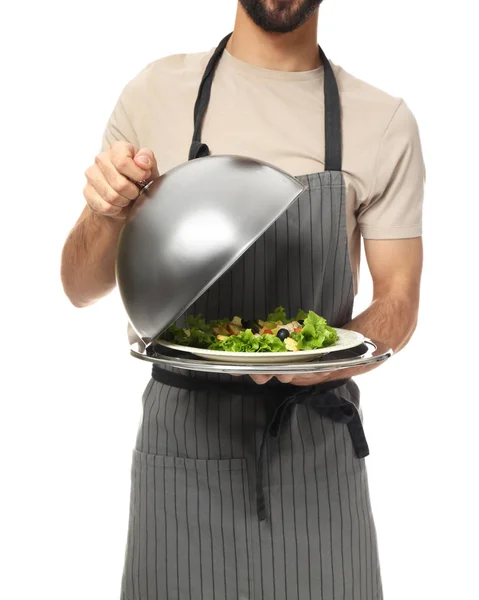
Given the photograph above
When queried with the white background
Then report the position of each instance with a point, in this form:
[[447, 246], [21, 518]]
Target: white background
[[70, 392]]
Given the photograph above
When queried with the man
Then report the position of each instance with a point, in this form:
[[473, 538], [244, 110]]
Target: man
[[259, 490]]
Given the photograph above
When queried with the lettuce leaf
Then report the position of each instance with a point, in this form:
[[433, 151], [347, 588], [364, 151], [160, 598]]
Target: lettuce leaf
[[196, 322], [271, 343], [315, 333], [278, 314], [247, 342], [301, 316], [174, 334], [201, 333], [201, 339]]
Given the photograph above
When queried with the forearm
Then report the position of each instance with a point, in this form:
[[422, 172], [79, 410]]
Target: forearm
[[390, 319], [88, 258]]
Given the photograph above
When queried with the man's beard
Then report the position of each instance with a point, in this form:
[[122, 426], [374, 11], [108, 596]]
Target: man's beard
[[281, 16]]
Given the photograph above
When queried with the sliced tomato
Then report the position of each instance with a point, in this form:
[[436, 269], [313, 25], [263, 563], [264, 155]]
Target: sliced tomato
[[268, 331], [298, 329]]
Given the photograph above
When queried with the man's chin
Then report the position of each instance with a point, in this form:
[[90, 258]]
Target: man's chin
[[280, 16], [278, 27]]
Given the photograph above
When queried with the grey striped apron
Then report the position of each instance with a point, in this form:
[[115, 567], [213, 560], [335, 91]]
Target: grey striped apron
[[239, 491]]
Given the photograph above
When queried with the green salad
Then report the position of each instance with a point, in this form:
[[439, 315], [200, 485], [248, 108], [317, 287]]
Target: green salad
[[307, 331]]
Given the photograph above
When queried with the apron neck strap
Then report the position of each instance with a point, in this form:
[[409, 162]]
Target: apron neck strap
[[332, 110], [332, 118]]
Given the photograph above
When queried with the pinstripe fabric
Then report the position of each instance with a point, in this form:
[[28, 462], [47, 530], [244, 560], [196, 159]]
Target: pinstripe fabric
[[301, 261], [193, 530]]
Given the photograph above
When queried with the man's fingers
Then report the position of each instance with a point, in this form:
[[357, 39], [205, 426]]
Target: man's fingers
[[111, 180], [96, 178], [98, 205], [121, 157], [285, 378], [261, 379], [117, 181], [145, 159], [305, 379]]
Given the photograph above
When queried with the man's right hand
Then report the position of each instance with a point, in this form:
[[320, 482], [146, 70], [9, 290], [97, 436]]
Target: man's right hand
[[109, 191]]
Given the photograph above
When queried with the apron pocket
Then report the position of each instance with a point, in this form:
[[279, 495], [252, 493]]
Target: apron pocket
[[189, 529]]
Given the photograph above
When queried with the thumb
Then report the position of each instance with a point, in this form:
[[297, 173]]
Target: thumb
[[285, 378], [145, 159]]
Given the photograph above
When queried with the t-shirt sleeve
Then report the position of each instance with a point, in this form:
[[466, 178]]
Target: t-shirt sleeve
[[393, 209], [119, 126]]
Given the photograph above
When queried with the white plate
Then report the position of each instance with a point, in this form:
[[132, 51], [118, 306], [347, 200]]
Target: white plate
[[347, 339]]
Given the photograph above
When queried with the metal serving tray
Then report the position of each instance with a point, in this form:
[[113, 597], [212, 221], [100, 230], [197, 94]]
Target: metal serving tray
[[368, 353]]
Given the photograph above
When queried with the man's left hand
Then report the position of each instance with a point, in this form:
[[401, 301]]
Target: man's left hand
[[306, 380], [316, 378], [313, 378]]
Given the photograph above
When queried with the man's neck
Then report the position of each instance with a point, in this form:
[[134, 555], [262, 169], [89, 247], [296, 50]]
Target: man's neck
[[295, 51]]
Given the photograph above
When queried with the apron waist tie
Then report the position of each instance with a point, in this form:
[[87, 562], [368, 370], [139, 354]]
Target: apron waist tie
[[320, 397]]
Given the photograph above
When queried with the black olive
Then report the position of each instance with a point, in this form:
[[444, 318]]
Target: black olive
[[250, 325], [283, 334], [301, 322]]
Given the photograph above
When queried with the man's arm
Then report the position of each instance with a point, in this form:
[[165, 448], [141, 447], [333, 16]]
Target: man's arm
[[392, 208], [88, 257], [396, 267]]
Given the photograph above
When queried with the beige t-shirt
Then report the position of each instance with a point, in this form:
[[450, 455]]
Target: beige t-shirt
[[278, 117]]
